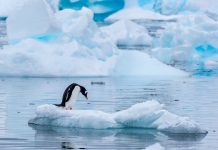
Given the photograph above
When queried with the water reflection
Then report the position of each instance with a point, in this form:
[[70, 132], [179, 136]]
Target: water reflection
[[74, 138]]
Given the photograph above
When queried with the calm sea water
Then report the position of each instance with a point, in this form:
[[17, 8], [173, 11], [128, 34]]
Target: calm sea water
[[195, 97]]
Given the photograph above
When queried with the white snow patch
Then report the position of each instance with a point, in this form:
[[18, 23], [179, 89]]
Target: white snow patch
[[148, 114]]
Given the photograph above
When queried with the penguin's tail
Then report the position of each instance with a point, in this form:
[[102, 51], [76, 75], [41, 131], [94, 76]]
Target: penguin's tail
[[58, 105]]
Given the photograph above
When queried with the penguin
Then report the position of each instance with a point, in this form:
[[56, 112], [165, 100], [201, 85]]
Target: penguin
[[70, 96]]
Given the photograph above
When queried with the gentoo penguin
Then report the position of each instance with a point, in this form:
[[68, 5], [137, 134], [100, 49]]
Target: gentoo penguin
[[70, 95]]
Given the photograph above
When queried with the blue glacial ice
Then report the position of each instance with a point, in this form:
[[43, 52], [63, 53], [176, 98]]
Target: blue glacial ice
[[195, 46], [146, 115], [72, 37], [102, 8], [69, 43]]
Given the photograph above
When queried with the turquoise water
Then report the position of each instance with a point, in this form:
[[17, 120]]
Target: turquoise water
[[195, 97]]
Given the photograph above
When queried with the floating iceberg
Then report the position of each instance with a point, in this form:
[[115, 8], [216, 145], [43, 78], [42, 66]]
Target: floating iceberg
[[146, 115], [79, 48], [76, 47], [135, 63], [34, 58]]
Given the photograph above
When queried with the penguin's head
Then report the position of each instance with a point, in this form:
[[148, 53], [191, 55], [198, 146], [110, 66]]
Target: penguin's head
[[84, 92]]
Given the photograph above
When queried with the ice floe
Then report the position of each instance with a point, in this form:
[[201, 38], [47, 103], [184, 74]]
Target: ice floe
[[146, 115]]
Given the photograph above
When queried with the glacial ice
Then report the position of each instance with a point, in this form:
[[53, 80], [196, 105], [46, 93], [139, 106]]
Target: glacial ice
[[131, 13], [202, 6], [195, 46], [34, 58], [9, 6], [92, 50], [102, 8], [146, 115], [74, 46], [105, 8], [126, 32], [27, 20], [135, 63], [171, 7]]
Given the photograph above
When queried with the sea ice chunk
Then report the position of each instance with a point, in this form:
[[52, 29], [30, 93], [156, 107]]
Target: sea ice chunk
[[148, 114]]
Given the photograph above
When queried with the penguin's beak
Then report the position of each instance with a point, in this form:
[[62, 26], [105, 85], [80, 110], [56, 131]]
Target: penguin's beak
[[86, 97]]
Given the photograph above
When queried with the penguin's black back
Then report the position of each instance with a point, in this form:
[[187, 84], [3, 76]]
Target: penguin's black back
[[67, 94]]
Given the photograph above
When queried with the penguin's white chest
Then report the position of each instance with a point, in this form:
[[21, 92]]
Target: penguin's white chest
[[69, 104]]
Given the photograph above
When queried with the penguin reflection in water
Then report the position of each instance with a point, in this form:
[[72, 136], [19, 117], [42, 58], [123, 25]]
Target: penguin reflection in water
[[70, 96]]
